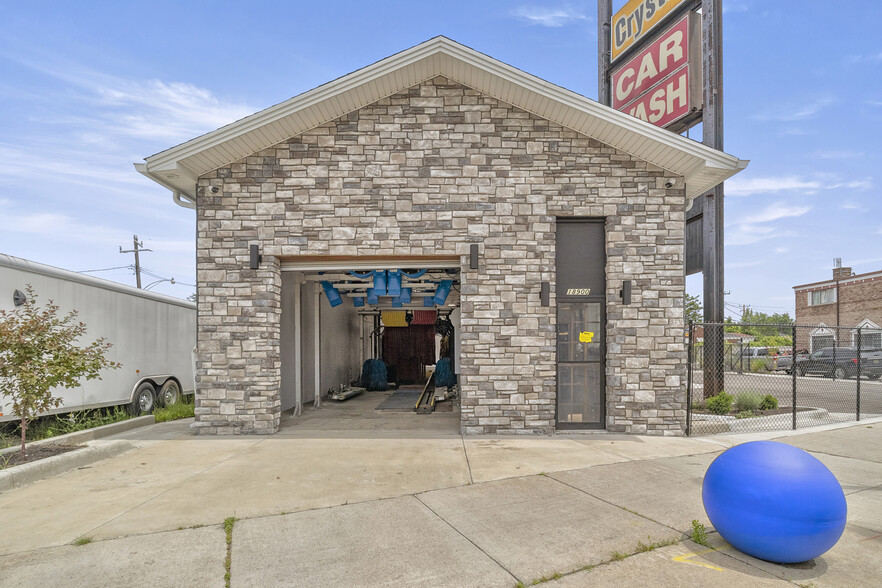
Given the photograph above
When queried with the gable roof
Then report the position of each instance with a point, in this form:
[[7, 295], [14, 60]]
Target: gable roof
[[179, 167]]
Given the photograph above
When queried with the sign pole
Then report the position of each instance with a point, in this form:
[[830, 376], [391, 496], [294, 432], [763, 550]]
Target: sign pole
[[604, 44], [712, 136]]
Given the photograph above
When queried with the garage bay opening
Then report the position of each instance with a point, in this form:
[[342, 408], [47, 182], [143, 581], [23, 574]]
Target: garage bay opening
[[371, 340]]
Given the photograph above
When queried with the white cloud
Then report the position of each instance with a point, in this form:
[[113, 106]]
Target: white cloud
[[832, 154], [740, 186], [741, 234], [741, 264], [864, 58], [730, 6], [549, 17], [66, 228], [152, 109], [775, 211], [746, 186], [795, 112], [850, 205]]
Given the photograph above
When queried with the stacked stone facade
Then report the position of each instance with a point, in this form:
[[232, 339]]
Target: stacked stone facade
[[430, 171]]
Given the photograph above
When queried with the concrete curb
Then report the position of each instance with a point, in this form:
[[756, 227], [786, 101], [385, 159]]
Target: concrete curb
[[28, 473], [80, 437]]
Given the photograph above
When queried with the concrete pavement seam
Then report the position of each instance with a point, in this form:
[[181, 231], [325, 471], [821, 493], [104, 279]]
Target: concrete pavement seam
[[460, 533], [759, 569], [468, 463], [170, 488], [551, 475]]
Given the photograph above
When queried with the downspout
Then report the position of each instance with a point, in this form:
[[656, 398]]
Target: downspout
[[184, 200]]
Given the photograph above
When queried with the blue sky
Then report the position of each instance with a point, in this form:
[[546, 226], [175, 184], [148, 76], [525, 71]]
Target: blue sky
[[88, 88]]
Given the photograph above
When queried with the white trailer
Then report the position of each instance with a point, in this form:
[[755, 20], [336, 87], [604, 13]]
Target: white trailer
[[153, 336]]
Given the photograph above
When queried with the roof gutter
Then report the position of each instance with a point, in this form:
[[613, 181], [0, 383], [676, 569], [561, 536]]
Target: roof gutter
[[180, 198]]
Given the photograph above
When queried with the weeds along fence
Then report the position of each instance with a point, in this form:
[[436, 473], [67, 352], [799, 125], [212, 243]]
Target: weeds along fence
[[812, 375]]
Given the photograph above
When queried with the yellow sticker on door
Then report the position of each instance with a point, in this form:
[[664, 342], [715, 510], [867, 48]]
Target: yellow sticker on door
[[586, 336]]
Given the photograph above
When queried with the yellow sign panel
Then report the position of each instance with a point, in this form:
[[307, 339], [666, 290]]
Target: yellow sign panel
[[585, 337], [634, 21]]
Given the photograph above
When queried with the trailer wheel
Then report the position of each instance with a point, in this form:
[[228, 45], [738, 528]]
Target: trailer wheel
[[145, 399], [169, 394]]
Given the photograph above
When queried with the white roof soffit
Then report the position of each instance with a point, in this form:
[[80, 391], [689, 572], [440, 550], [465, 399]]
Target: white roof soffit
[[177, 168]]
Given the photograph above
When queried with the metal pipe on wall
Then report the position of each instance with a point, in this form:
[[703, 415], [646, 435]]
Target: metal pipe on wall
[[298, 346], [317, 341]]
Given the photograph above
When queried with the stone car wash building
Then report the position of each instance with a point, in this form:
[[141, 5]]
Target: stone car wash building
[[548, 229]]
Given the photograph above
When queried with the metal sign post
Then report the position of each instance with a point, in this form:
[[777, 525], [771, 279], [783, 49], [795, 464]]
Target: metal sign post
[[626, 36]]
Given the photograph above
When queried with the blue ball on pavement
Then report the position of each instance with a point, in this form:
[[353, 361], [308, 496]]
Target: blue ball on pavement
[[774, 502]]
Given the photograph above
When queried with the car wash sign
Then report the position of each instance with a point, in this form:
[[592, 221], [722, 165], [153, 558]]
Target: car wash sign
[[662, 83], [636, 19]]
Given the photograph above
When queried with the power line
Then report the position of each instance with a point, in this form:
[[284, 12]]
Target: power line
[[106, 269]]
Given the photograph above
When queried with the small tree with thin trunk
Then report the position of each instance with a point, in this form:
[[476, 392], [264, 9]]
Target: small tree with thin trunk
[[39, 352]]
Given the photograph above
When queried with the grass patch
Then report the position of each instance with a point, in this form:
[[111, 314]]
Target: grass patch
[[229, 522], [61, 424], [699, 533], [644, 547], [83, 541], [545, 579], [181, 410], [617, 556]]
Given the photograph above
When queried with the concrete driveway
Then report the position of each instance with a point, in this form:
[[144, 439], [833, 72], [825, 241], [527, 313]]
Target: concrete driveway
[[387, 504]]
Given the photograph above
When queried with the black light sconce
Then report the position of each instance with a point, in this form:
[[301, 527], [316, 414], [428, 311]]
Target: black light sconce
[[473, 257], [545, 293], [18, 298], [626, 292], [256, 257]]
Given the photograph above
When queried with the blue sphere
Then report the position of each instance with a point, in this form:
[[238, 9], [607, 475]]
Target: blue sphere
[[774, 502]]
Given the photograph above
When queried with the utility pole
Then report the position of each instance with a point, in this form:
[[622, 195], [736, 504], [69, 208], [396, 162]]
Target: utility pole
[[138, 247]]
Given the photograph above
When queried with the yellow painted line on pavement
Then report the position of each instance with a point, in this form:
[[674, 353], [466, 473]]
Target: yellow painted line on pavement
[[686, 559]]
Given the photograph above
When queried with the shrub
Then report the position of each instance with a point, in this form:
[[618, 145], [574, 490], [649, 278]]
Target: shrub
[[769, 403], [759, 365], [744, 414], [719, 404], [747, 401]]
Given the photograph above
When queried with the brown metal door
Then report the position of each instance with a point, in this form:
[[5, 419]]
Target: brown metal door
[[406, 350]]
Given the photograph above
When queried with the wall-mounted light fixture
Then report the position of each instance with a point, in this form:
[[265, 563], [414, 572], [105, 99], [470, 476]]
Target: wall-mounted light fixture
[[255, 256], [625, 292], [473, 257], [545, 293], [19, 298]]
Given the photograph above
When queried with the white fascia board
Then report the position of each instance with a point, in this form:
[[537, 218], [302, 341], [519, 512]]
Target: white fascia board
[[447, 49]]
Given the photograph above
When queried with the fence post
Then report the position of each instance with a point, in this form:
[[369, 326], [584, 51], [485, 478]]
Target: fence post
[[689, 378], [740, 356], [858, 408], [793, 374]]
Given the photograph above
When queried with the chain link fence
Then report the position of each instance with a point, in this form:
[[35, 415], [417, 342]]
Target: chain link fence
[[795, 376]]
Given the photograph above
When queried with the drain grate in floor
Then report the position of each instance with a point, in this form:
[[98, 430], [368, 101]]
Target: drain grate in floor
[[401, 399]]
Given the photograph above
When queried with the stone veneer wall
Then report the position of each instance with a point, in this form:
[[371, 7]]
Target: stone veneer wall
[[430, 171]]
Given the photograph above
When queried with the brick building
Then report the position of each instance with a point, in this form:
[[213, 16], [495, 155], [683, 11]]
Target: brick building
[[848, 300], [521, 211]]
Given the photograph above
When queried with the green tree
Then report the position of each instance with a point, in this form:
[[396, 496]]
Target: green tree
[[39, 352], [763, 325], [693, 309]]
